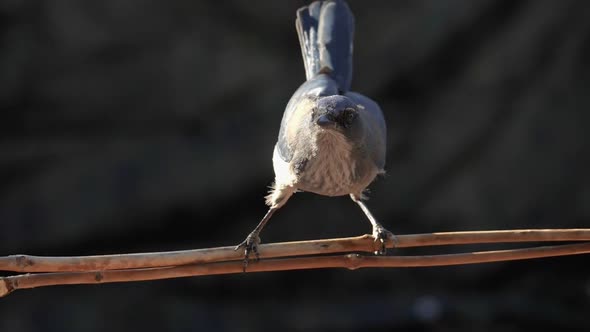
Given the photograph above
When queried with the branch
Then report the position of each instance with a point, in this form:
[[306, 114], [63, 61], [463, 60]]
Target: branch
[[365, 243], [350, 261]]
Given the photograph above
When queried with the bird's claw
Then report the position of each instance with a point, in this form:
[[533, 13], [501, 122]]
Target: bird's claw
[[250, 245], [382, 235]]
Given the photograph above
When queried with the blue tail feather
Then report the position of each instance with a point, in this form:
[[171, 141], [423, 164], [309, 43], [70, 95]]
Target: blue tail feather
[[326, 30]]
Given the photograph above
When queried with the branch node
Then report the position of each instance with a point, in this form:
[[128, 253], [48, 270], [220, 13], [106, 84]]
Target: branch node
[[353, 261], [6, 286], [23, 261]]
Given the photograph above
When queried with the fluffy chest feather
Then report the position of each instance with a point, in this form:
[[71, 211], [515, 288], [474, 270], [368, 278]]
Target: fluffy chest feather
[[333, 168]]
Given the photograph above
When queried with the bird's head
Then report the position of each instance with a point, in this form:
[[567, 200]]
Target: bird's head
[[337, 114]]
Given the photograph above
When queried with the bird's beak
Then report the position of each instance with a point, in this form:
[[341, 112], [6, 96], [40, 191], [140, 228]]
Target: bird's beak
[[326, 120]]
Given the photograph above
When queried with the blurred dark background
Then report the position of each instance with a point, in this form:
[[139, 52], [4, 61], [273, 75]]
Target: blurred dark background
[[133, 126]]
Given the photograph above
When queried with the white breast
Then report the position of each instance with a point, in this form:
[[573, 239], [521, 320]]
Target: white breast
[[333, 170]]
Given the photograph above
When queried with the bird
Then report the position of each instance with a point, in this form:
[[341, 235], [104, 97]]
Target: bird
[[332, 141]]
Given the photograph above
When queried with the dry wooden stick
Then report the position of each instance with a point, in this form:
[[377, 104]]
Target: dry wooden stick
[[365, 243], [349, 261]]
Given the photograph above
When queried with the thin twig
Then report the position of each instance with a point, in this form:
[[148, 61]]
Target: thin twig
[[349, 261], [365, 243]]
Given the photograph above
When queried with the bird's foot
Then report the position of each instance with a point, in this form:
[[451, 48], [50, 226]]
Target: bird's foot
[[250, 245], [381, 235]]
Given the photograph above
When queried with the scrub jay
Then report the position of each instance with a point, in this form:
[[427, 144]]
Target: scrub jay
[[332, 140]]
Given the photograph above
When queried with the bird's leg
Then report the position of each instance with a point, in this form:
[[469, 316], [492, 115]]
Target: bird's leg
[[379, 232], [276, 199], [250, 244]]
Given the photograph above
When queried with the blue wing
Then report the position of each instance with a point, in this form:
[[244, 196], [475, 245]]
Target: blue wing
[[376, 130]]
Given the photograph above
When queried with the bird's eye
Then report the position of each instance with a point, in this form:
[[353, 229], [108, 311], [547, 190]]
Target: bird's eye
[[349, 115]]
